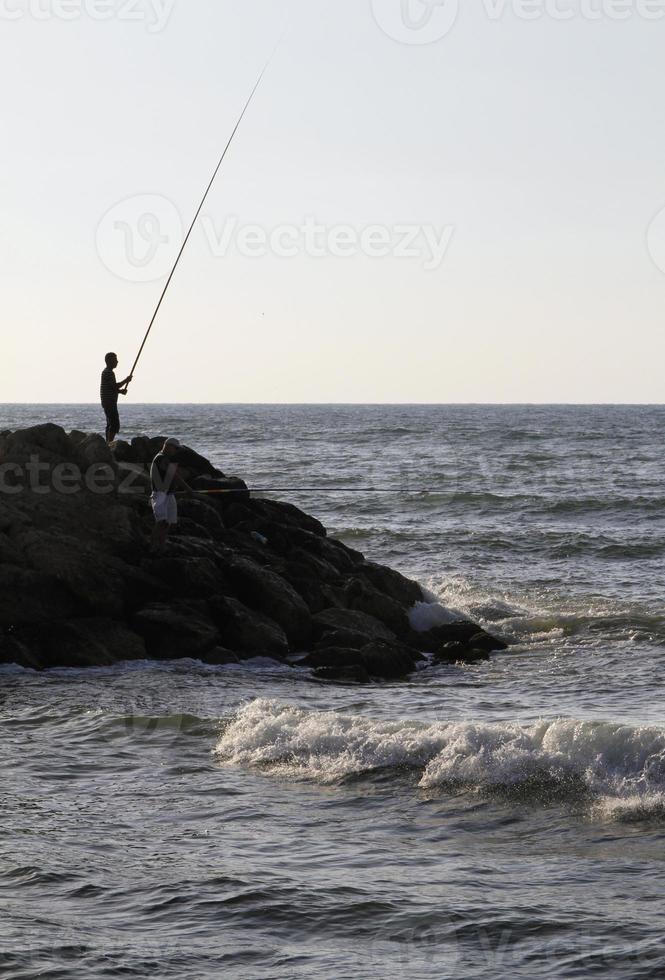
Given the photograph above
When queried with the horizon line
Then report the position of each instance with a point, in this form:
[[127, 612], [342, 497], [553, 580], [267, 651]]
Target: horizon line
[[353, 404]]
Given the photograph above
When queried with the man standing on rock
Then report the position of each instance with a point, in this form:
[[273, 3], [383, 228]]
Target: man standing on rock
[[108, 393], [165, 480]]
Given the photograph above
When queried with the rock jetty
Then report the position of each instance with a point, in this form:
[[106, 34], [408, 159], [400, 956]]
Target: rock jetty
[[242, 577]]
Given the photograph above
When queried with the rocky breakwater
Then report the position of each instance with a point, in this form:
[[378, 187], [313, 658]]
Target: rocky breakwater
[[243, 577]]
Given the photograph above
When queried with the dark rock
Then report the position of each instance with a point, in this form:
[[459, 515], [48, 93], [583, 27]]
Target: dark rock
[[177, 630], [142, 450], [48, 442], [486, 642], [388, 661], [96, 583], [332, 657], [378, 658], [191, 578], [391, 583], [461, 631], [203, 513], [223, 491], [353, 674], [28, 597], [302, 563], [287, 514], [349, 639], [192, 529], [249, 633], [76, 436], [75, 643], [459, 653], [218, 657], [269, 593], [122, 451], [365, 598], [337, 554], [194, 465], [356, 622], [93, 450]]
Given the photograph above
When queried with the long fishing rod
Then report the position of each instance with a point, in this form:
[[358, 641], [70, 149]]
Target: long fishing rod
[[199, 209]]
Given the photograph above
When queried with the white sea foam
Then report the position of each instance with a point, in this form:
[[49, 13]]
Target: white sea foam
[[619, 767], [425, 616]]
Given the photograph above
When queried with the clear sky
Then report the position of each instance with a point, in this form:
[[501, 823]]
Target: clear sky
[[398, 221]]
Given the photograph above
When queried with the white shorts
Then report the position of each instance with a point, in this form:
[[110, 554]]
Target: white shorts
[[164, 507]]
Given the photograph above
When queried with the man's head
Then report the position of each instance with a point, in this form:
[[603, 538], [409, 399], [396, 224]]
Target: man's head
[[171, 447], [111, 361]]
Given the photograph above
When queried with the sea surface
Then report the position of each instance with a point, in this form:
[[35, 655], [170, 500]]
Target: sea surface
[[173, 820]]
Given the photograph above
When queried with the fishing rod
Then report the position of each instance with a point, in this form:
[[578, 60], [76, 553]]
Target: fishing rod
[[198, 211]]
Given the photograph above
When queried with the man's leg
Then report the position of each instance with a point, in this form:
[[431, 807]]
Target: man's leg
[[112, 422], [115, 424], [160, 533]]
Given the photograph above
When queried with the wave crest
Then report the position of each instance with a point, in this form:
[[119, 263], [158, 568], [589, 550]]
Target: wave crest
[[619, 768]]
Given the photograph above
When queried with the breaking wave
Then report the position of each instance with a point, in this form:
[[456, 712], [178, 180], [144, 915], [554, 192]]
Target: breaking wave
[[617, 770]]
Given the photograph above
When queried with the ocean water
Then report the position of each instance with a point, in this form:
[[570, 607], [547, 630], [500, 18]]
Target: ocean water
[[501, 820]]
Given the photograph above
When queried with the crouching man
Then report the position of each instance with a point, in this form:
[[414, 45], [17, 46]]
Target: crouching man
[[165, 481]]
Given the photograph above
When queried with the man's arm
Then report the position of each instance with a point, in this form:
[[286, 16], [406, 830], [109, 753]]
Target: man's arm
[[123, 385]]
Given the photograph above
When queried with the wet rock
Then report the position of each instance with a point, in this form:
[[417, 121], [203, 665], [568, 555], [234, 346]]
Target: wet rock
[[365, 598], [247, 632], [391, 583], [93, 642], [28, 597], [486, 642], [462, 631], [96, 582], [177, 629], [348, 639], [353, 674], [191, 578], [269, 593], [333, 657], [459, 653], [219, 657], [202, 513], [381, 659], [287, 514], [194, 465], [356, 622], [224, 492], [389, 661]]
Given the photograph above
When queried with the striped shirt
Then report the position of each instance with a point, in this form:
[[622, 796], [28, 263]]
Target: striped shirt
[[108, 390]]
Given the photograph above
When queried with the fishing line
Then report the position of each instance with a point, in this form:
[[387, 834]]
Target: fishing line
[[200, 207]]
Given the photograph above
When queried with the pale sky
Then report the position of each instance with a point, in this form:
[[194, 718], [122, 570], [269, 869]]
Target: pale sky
[[530, 151]]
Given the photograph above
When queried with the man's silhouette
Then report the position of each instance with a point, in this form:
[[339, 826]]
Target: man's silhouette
[[108, 393]]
